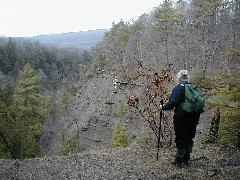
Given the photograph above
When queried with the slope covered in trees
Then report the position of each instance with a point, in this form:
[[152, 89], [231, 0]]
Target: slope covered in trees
[[201, 36], [30, 76], [52, 63]]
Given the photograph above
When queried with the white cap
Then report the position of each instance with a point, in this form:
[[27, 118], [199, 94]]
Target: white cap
[[182, 76]]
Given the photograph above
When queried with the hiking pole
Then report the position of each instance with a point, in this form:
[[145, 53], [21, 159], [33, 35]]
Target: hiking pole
[[159, 128], [5, 141]]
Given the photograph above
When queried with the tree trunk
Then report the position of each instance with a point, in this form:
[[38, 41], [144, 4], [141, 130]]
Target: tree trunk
[[213, 133]]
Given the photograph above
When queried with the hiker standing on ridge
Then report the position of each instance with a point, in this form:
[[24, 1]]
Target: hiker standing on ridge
[[184, 123]]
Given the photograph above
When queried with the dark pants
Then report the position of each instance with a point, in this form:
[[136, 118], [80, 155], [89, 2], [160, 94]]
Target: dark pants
[[185, 128]]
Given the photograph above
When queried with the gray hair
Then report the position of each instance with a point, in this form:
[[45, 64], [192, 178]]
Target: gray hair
[[183, 76]]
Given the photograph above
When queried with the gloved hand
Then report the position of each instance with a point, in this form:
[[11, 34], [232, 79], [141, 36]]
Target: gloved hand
[[160, 107], [161, 104]]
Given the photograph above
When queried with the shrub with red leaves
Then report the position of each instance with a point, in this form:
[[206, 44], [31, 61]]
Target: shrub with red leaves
[[155, 89]]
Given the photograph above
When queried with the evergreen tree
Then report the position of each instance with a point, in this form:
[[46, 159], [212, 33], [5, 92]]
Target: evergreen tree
[[5, 64], [120, 138], [27, 100], [6, 93], [117, 39], [29, 109], [70, 146], [10, 49], [166, 19]]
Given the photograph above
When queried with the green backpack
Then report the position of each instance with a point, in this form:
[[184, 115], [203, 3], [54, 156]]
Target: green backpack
[[194, 99]]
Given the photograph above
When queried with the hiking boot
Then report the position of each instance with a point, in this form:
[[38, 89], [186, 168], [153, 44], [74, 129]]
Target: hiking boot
[[179, 158], [186, 156], [186, 159], [177, 162], [186, 162]]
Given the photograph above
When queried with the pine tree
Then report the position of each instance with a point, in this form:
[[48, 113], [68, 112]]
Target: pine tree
[[70, 146], [29, 109], [120, 138], [166, 19]]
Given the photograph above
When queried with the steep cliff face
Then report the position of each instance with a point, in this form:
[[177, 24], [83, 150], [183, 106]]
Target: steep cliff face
[[93, 112], [91, 116]]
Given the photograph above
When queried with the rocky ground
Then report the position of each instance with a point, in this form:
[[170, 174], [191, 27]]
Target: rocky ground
[[135, 162]]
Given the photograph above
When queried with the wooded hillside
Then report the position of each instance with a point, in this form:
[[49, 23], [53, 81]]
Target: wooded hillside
[[199, 35]]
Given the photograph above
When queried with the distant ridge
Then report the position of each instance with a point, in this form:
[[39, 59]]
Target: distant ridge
[[81, 39]]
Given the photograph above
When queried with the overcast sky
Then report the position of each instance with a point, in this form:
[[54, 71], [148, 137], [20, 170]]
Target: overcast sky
[[34, 17]]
